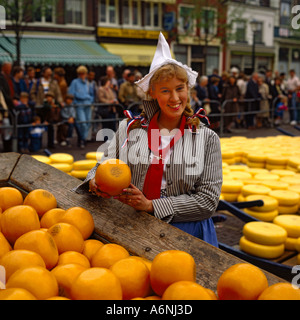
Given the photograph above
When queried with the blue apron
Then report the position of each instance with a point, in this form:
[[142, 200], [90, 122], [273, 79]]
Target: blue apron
[[204, 230]]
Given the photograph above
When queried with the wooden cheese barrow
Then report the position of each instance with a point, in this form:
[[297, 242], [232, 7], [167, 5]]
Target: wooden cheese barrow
[[140, 233]]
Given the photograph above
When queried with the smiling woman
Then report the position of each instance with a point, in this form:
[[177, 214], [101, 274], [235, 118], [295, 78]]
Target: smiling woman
[[179, 176]]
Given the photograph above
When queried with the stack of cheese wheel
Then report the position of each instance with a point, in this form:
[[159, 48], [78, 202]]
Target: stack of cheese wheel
[[267, 212], [291, 223], [295, 188], [263, 239], [231, 189], [62, 161], [42, 159], [82, 167], [288, 201], [276, 161], [293, 163], [94, 156], [252, 189], [256, 160], [297, 247], [228, 156]]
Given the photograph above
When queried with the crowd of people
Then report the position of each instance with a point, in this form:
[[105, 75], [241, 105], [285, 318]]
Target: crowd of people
[[48, 104], [249, 102]]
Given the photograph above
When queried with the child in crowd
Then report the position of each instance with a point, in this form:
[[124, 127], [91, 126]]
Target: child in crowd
[[25, 115], [281, 112], [68, 115], [36, 135]]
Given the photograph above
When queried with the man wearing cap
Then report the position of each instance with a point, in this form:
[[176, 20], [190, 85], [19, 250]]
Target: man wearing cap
[[83, 100]]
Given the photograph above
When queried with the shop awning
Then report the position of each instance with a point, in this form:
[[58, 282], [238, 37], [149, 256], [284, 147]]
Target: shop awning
[[59, 51], [132, 54]]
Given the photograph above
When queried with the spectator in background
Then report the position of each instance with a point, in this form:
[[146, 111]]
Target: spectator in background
[[110, 72], [36, 134], [83, 99], [195, 102], [231, 92], [128, 93], [92, 85], [264, 105], [29, 81], [42, 86], [59, 76], [106, 95], [252, 106], [68, 116], [215, 96], [124, 77], [18, 81], [7, 90], [25, 116], [292, 87]]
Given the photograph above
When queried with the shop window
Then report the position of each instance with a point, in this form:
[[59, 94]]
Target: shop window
[[285, 12], [208, 22], [131, 13], [43, 12], [187, 21], [152, 14], [108, 11], [283, 54], [180, 53], [240, 31], [74, 12]]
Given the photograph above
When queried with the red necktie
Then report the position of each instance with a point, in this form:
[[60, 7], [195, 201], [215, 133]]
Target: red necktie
[[152, 184]]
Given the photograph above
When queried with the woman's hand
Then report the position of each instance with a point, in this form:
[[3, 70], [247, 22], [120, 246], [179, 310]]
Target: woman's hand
[[94, 189], [136, 199]]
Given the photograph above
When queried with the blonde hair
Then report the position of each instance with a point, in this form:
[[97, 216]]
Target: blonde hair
[[166, 73]]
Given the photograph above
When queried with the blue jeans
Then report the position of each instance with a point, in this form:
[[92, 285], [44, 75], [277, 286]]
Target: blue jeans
[[84, 114]]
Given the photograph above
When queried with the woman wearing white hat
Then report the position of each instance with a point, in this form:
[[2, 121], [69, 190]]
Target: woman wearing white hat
[[174, 158]]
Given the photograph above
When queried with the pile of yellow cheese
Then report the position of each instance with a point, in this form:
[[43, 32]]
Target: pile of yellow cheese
[[266, 169], [65, 162]]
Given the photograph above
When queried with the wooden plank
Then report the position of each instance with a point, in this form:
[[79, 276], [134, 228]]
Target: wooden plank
[[7, 164], [139, 232]]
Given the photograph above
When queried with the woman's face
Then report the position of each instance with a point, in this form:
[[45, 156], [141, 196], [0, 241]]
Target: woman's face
[[172, 97]]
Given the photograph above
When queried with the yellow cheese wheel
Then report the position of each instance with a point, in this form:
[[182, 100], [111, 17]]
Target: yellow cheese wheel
[[285, 197], [230, 197], [260, 250], [274, 166], [229, 161], [266, 177], [94, 155], [232, 186], [294, 161], [288, 209], [290, 180], [237, 167], [297, 245], [256, 157], [43, 159], [291, 169], [227, 154], [298, 258], [80, 174], [263, 216], [65, 167], [277, 159], [250, 189], [291, 223], [283, 173], [221, 197], [61, 158], [290, 243], [275, 185], [264, 233], [84, 164], [294, 187], [252, 164], [240, 175], [270, 204]]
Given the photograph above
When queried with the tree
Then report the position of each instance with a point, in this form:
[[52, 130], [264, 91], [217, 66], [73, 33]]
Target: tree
[[20, 13]]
